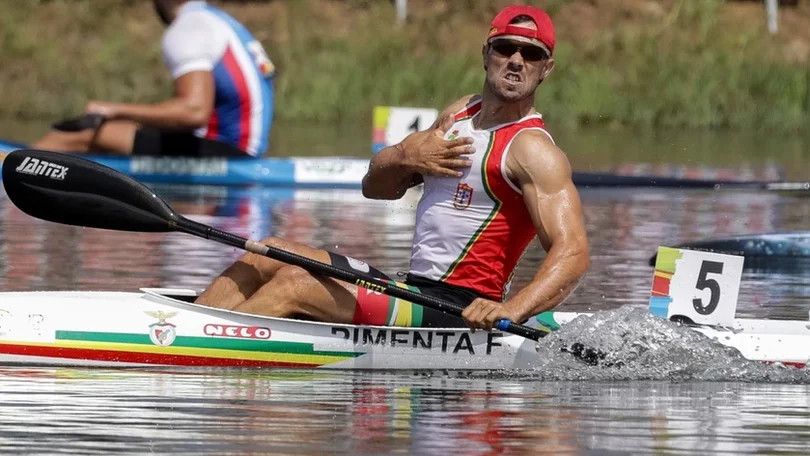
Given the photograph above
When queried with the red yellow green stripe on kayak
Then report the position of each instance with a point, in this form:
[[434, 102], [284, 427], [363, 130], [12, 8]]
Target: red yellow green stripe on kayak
[[184, 351]]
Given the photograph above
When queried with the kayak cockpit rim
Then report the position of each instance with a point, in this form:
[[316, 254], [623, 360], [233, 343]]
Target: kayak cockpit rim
[[171, 296]]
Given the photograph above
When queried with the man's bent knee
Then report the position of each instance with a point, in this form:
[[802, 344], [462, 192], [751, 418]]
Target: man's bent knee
[[281, 296], [287, 283], [291, 274]]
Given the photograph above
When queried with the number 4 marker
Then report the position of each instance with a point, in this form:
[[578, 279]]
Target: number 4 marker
[[701, 286]]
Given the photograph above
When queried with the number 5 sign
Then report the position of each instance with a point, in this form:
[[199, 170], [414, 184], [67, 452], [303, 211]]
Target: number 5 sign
[[702, 286]]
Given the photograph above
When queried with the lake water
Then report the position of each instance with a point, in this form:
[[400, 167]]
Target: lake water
[[72, 411], [687, 399]]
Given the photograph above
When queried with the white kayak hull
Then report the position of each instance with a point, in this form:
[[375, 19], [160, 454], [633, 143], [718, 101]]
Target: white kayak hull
[[158, 327], [149, 328]]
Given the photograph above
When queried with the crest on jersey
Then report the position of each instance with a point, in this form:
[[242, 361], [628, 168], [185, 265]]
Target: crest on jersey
[[463, 196]]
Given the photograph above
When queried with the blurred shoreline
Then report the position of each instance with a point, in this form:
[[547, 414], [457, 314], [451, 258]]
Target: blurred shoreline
[[666, 64]]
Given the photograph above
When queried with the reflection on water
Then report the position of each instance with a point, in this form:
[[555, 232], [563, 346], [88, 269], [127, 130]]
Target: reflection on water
[[250, 412], [271, 412], [625, 227]]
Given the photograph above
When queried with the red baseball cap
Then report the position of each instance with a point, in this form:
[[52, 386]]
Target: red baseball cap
[[542, 37]]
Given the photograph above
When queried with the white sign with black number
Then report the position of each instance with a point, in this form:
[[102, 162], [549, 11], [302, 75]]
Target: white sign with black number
[[404, 121], [705, 287]]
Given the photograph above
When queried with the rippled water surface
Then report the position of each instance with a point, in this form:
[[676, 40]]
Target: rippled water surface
[[687, 399], [99, 412]]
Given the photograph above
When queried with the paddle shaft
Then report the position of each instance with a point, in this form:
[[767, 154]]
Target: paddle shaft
[[361, 280]]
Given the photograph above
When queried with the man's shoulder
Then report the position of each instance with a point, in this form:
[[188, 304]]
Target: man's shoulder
[[465, 102], [181, 26], [533, 150], [192, 42], [194, 20], [535, 137], [196, 26]]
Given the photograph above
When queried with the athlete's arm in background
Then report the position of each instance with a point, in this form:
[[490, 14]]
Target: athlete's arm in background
[[543, 174], [396, 168], [189, 109], [191, 48]]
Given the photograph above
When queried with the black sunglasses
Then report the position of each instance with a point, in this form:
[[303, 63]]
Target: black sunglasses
[[508, 49]]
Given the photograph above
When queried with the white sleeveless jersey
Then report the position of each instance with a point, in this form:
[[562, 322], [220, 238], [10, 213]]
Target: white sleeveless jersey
[[204, 38], [471, 231]]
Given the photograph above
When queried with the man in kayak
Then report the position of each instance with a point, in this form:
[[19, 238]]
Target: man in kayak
[[493, 181], [223, 94]]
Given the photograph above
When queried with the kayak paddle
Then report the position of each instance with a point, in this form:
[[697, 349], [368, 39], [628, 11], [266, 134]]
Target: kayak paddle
[[85, 122]]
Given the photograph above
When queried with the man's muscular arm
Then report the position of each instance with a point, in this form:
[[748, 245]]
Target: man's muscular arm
[[396, 168], [190, 108], [544, 176]]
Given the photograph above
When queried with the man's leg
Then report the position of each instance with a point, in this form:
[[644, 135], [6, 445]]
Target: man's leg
[[113, 136], [250, 273], [260, 286], [295, 293]]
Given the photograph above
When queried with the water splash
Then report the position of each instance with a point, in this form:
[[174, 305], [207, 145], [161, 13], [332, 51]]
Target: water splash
[[640, 346]]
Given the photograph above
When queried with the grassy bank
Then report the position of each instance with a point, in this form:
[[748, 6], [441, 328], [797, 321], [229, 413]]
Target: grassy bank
[[663, 64]]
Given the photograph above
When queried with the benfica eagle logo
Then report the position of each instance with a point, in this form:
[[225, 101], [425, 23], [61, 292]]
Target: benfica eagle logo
[[162, 333]]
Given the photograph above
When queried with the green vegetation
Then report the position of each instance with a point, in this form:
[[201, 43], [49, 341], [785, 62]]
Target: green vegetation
[[668, 64]]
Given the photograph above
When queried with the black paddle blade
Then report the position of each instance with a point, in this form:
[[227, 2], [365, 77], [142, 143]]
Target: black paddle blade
[[67, 189], [85, 122]]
